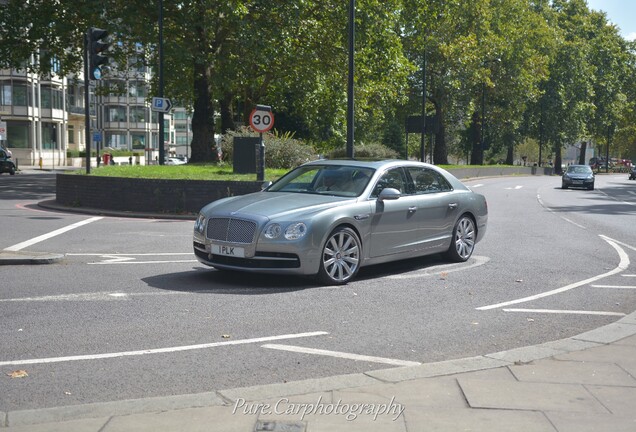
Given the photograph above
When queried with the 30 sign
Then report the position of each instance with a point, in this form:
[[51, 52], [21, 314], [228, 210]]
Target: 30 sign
[[262, 118]]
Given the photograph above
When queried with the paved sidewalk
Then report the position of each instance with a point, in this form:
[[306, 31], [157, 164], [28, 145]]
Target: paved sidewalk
[[584, 383]]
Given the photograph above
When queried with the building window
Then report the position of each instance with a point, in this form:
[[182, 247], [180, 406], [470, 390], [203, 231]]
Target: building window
[[116, 114], [20, 95], [45, 94], [138, 114], [17, 134], [5, 94], [71, 134], [116, 140], [138, 141]]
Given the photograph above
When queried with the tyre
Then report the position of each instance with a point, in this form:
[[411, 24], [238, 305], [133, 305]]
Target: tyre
[[12, 171], [340, 258], [463, 242], [564, 186]]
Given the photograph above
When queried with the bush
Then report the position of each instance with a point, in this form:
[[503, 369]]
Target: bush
[[366, 151], [281, 150]]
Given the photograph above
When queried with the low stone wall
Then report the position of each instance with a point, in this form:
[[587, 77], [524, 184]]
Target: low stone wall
[[145, 195], [189, 196]]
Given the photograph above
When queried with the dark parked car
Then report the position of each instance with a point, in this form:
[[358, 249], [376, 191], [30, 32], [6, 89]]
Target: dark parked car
[[6, 164], [578, 176], [329, 218], [632, 173]]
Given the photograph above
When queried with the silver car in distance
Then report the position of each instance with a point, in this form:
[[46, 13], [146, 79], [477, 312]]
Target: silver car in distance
[[330, 217]]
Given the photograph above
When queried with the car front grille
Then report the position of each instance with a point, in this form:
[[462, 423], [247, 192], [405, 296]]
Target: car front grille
[[231, 230]]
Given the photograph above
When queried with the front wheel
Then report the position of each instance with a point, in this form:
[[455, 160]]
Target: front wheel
[[464, 237], [340, 258]]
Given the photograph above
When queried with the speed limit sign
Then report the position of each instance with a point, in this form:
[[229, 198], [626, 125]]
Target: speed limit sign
[[262, 118]]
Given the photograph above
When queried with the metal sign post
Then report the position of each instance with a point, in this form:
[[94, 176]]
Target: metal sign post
[[261, 120]]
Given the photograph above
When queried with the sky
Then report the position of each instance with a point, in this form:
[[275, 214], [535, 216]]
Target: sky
[[619, 12]]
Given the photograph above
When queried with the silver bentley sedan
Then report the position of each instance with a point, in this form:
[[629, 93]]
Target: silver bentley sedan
[[328, 218]]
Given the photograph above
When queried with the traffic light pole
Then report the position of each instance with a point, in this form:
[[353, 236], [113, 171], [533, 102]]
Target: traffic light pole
[[87, 111]]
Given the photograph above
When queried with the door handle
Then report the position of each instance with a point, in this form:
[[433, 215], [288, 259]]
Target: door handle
[[453, 206], [412, 209]]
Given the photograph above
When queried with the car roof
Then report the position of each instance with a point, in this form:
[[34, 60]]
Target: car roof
[[376, 164]]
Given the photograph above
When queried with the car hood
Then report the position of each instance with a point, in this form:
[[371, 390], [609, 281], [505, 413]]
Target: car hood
[[274, 205]]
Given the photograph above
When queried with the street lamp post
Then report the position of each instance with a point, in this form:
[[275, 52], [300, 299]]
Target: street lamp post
[[350, 106]]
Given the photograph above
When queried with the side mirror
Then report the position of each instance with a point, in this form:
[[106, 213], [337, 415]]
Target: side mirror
[[389, 194]]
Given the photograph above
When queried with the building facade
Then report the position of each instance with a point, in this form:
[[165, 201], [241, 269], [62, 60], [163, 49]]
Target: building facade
[[45, 116]]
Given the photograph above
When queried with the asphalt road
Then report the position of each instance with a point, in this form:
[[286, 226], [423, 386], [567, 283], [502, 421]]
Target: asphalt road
[[129, 313]]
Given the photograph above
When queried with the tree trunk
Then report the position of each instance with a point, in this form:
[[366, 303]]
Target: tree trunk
[[227, 113], [476, 156], [582, 154], [440, 152], [203, 118], [557, 160]]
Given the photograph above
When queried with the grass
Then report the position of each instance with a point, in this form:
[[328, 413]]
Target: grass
[[180, 172]]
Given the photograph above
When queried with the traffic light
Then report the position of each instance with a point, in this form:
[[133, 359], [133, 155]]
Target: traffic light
[[96, 50]]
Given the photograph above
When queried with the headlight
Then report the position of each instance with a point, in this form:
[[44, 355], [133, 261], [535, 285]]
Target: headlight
[[199, 224], [295, 231], [273, 231]]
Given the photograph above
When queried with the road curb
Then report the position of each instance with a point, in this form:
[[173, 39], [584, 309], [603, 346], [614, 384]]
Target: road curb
[[29, 258]]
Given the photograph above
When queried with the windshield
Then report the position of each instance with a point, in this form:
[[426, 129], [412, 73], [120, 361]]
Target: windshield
[[579, 169], [345, 181]]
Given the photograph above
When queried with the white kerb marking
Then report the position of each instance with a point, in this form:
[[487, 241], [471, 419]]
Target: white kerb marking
[[343, 355], [57, 232], [158, 350]]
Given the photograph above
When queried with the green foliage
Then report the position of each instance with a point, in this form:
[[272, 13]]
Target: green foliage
[[282, 151], [375, 151], [181, 172]]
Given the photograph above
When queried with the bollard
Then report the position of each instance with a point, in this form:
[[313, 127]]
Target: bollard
[[40, 163]]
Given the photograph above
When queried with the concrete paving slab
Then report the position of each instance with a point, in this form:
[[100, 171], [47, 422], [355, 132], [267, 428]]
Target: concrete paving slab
[[477, 420], [360, 424], [427, 392], [629, 319], [631, 341], [571, 372], [208, 419], [104, 409], [84, 425], [284, 408], [525, 354], [528, 396], [606, 353], [436, 369], [570, 344], [608, 334], [272, 391], [619, 400], [581, 422]]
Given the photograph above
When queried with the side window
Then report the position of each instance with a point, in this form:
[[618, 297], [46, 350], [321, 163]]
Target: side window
[[391, 179], [427, 181]]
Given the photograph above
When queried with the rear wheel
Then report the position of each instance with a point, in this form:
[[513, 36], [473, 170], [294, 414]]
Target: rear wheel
[[464, 237], [340, 258]]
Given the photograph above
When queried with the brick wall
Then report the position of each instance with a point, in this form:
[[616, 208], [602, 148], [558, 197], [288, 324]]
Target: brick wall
[[145, 195]]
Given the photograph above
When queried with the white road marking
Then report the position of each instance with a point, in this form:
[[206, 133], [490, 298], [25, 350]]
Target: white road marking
[[130, 258], [57, 232], [542, 204], [343, 355], [622, 265], [556, 311], [477, 185], [443, 268], [159, 350], [515, 188], [615, 286], [94, 296]]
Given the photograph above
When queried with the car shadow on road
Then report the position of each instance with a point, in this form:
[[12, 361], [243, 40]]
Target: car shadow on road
[[203, 280]]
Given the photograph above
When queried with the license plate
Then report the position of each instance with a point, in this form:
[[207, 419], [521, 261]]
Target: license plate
[[228, 250], [577, 182]]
